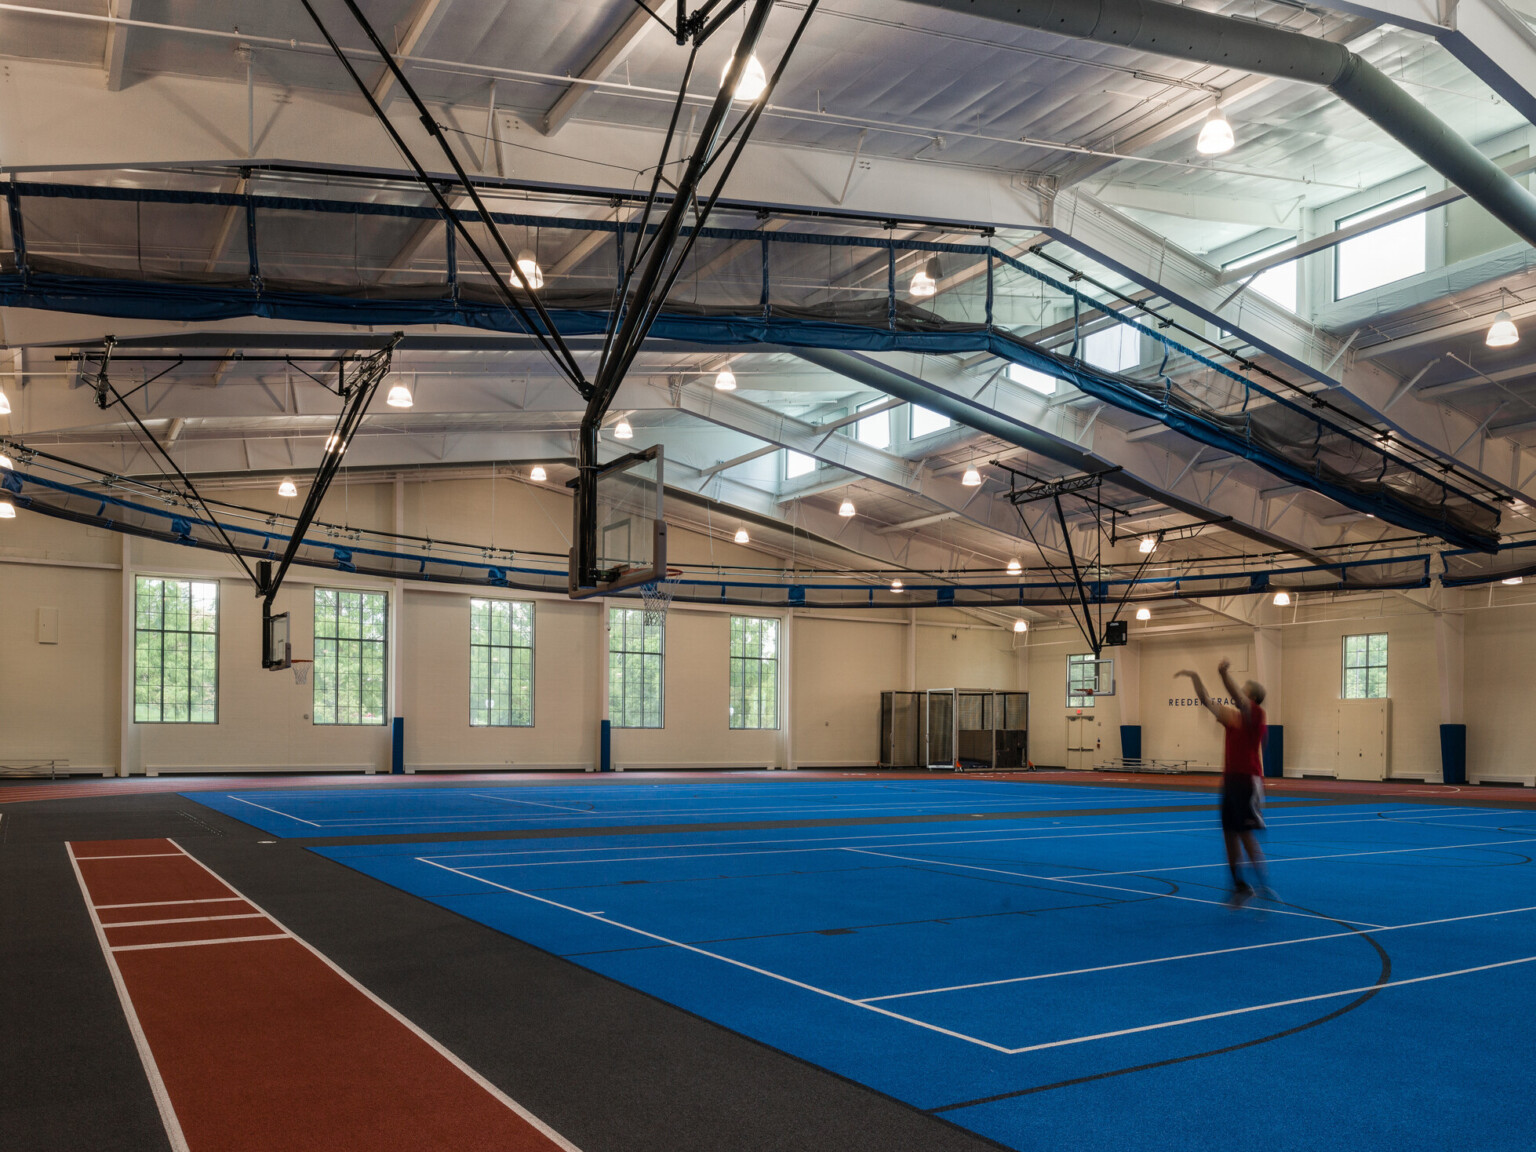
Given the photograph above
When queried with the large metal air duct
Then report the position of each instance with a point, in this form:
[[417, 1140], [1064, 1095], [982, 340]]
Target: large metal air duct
[[1189, 34]]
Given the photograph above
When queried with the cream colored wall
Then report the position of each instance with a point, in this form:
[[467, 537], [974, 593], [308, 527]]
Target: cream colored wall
[[65, 700], [964, 655], [842, 666], [59, 701], [696, 714], [1500, 674]]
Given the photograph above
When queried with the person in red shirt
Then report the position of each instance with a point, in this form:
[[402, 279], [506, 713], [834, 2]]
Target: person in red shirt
[[1242, 773]]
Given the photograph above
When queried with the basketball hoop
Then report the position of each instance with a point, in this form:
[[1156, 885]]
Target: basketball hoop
[[657, 598], [301, 669]]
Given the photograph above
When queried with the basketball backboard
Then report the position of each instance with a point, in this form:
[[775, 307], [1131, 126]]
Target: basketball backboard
[[276, 651], [623, 530]]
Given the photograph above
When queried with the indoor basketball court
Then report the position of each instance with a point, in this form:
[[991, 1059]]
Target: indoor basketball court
[[757, 575]]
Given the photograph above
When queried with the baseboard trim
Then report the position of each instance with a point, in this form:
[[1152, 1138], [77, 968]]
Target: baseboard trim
[[255, 769], [569, 766]]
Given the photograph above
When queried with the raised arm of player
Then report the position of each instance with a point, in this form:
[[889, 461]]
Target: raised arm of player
[[1239, 697], [1227, 715]]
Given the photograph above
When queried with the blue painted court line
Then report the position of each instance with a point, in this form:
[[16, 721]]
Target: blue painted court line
[[1074, 981], [413, 811]]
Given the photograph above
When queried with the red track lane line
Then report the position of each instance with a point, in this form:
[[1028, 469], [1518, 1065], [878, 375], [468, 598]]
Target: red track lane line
[[263, 1044]]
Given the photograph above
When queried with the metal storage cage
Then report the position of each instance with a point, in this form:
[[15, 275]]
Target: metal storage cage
[[902, 732], [955, 729]]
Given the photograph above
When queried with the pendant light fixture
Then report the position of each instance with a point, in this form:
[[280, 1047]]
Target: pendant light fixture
[[725, 381], [753, 82], [528, 265], [287, 489], [1502, 333], [742, 537], [400, 397], [1143, 613], [925, 281], [1215, 134], [537, 474], [846, 508], [1014, 567], [1282, 599], [622, 430], [1021, 625]]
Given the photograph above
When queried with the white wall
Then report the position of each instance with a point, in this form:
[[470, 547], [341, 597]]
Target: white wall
[[67, 699]]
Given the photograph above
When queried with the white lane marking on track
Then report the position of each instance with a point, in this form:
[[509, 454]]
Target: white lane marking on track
[[1090, 884], [184, 920], [602, 919], [163, 903], [130, 856], [168, 1118], [196, 943], [1265, 1007], [1193, 955], [1272, 859], [274, 811], [415, 1029]]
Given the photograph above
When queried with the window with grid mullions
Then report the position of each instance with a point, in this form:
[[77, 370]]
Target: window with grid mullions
[[1365, 666], [500, 664], [635, 671], [351, 631], [175, 651], [754, 672]]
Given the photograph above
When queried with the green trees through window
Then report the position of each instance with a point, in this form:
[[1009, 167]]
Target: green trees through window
[[754, 672], [500, 664], [351, 641], [175, 651], [635, 654], [1365, 666]]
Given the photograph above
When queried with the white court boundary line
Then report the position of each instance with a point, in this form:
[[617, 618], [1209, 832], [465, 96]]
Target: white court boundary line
[[495, 1092], [788, 813], [1266, 1007], [1271, 859], [157, 1087], [841, 844], [602, 919], [538, 803], [1068, 832], [1194, 955], [274, 811], [866, 1004], [1090, 884], [131, 856]]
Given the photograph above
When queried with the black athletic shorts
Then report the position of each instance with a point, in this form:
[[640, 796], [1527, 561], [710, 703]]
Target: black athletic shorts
[[1242, 802]]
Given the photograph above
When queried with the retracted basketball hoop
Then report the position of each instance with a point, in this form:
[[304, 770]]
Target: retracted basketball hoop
[[619, 535]]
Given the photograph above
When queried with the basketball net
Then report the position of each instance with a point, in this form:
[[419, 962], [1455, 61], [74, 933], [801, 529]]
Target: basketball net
[[301, 671], [656, 598]]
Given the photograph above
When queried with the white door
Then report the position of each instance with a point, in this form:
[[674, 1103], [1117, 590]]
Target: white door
[[1082, 734]]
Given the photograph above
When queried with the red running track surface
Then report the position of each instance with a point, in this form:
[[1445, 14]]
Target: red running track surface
[[254, 1042]]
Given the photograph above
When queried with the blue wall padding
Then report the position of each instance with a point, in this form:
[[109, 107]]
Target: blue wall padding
[[1130, 741], [1274, 750], [1453, 753], [605, 747], [397, 747]]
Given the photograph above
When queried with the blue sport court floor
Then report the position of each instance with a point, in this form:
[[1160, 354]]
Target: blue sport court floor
[[1047, 965]]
